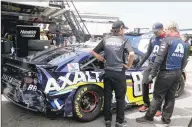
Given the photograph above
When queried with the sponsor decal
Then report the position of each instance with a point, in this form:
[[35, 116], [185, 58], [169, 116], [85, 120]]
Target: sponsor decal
[[179, 51], [28, 33], [73, 67], [79, 114], [11, 80], [52, 84]]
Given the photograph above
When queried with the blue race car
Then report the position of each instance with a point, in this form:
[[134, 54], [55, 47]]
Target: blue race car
[[65, 82]]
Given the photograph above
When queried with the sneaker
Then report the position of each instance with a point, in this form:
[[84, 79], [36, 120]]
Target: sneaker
[[108, 123], [158, 113], [143, 119], [165, 121], [143, 109], [124, 124]]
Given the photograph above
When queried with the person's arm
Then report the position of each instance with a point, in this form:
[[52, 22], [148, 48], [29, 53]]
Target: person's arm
[[160, 57], [186, 56], [129, 49], [99, 48], [147, 54]]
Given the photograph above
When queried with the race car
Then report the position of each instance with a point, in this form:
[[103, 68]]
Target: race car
[[66, 82]]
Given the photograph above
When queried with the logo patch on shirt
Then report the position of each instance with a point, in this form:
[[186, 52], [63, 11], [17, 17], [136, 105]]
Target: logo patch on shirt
[[114, 45], [179, 51]]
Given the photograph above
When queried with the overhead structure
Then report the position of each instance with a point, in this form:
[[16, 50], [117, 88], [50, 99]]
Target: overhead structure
[[58, 15], [71, 19]]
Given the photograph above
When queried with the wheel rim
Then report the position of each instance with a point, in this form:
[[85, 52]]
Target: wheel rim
[[89, 102]]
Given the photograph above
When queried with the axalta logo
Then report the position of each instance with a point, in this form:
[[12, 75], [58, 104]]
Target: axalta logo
[[28, 33], [53, 85], [179, 51]]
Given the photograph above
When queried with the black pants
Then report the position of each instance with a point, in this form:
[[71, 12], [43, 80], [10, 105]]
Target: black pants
[[164, 89], [114, 81], [145, 85]]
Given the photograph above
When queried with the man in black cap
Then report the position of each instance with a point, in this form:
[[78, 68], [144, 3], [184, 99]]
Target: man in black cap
[[152, 50], [170, 61], [114, 47]]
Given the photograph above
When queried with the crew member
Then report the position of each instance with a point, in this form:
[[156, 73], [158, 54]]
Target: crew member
[[114, 47], [152, 50], [58, 40], [49, 35], [42, 35], [186, 39], [170, 61]]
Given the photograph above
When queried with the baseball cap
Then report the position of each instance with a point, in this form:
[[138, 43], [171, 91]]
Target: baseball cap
[[118, 24], [157, 26]]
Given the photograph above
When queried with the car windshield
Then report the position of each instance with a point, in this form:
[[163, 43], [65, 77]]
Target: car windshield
[[147, 35], [136, 42]]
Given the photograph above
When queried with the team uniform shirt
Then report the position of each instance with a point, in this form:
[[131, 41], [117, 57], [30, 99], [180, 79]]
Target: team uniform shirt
[[153, 48], [114, 47], [172, 54]]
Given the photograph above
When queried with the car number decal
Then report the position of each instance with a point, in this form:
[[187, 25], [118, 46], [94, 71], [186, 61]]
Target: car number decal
[[143, 45], [137, 80]]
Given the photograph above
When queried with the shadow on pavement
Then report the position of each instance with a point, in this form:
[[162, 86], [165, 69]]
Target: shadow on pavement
[[181, 117], [186, 93]]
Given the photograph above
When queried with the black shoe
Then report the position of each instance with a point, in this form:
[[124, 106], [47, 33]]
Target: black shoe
[[165, 121], [124, 124], [144, 119], [108, 123]]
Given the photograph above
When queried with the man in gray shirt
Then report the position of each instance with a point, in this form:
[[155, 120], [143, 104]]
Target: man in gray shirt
[[114, 46]]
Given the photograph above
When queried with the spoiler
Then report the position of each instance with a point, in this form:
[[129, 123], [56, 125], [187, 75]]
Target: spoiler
[[18, 63]]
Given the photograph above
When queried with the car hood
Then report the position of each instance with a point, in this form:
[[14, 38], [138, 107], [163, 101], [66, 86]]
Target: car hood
[[51, 54]]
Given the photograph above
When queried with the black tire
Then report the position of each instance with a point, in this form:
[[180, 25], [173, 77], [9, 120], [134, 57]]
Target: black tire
[[181, 86], [95, 94]]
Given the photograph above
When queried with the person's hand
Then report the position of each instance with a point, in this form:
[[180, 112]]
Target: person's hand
[[126, 66], [150, 79]]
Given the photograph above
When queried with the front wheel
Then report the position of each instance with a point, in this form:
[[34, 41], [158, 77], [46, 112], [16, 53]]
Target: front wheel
[[88, 103], [180, 87]]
